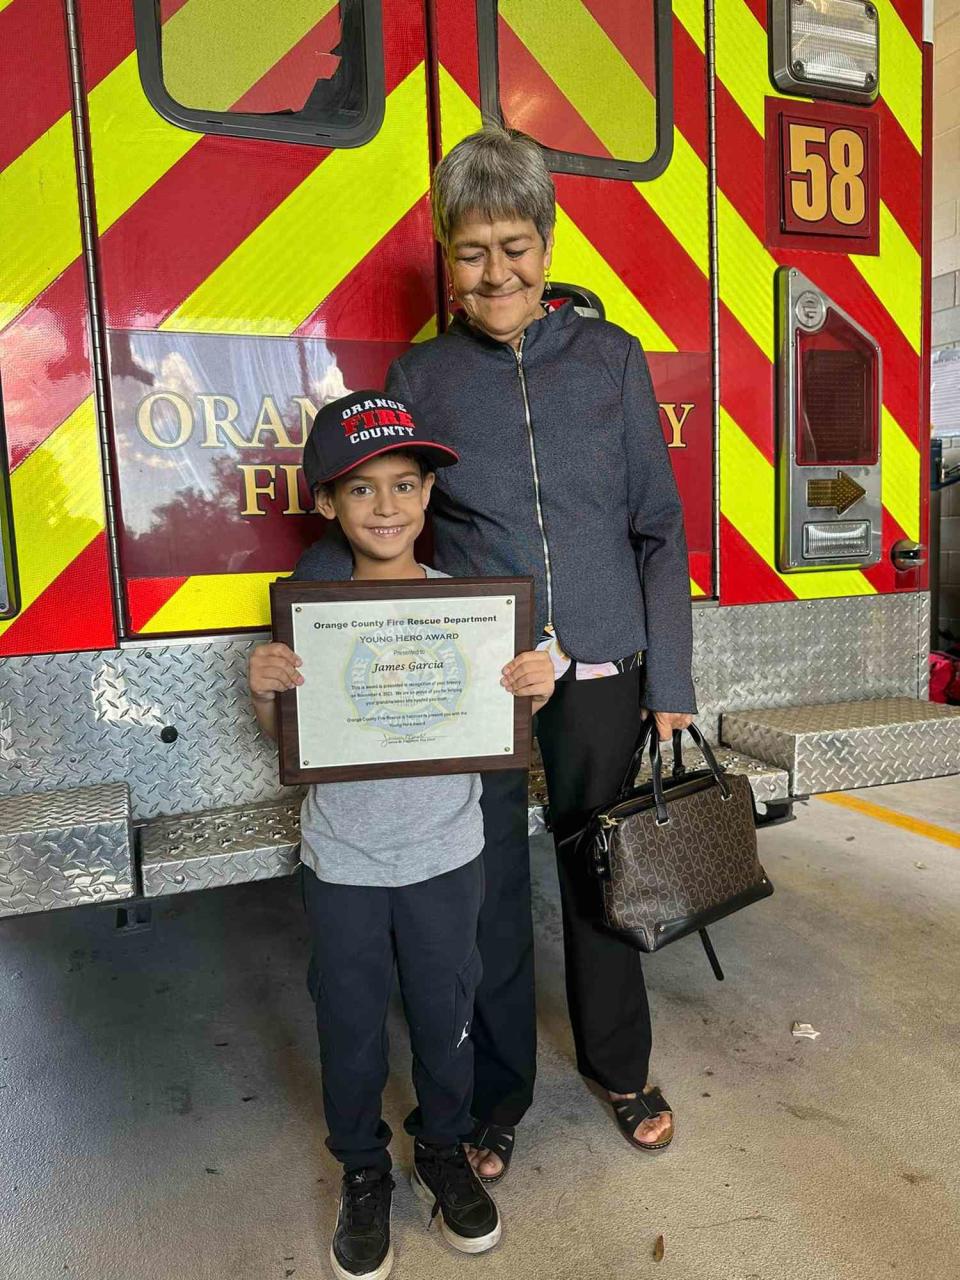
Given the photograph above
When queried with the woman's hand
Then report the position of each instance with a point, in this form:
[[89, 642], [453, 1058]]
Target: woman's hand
[[530, 675], [271, 670], [667, 721]]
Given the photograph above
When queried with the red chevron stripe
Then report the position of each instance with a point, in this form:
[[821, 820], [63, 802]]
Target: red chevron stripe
[[72, 614], [390, 295], [882, 575], [899, 170], [147, 596], [34, 73], [746, 382], [759, 10], [45, 363], [745, 577], [701, 570], [742, 150], [911, 15]]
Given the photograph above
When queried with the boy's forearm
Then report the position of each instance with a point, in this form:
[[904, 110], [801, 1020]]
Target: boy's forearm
[[265, 709]]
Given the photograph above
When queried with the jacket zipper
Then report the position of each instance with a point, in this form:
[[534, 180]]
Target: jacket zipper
[[536, 484]]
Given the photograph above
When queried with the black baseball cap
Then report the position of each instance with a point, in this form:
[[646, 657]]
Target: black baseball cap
[[361, 426]]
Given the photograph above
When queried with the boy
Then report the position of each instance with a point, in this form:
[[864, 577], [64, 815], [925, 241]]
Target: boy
[[391, 872]]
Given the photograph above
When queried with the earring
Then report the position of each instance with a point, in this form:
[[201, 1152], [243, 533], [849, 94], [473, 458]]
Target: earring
[[547, 285]]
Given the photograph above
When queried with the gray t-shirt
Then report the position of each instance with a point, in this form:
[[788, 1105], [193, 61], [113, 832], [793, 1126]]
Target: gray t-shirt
[[391, 831]]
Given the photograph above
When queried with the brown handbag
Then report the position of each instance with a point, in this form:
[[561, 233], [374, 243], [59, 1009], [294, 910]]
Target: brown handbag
[[675, 854]]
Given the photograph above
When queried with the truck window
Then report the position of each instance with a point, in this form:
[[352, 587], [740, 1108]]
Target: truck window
[[591, 80], [202, 67]]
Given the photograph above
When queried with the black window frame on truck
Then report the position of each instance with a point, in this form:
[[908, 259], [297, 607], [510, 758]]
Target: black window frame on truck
[[326, 120], [573, 162]]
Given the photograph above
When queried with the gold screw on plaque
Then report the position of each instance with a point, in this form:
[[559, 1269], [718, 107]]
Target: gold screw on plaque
[[841, 494]]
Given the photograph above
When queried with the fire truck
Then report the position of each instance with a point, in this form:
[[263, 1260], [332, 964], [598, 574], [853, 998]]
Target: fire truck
[[214, 217]]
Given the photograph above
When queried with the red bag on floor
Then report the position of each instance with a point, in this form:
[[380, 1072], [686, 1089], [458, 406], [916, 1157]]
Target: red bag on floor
[[944, 678]]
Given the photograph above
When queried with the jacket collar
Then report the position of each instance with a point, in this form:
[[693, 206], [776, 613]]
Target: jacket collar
[[559, 314]]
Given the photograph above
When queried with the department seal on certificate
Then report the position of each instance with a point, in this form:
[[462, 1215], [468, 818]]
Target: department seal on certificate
[[406, 688]]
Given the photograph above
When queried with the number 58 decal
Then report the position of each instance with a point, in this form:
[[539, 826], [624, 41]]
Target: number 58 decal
[[823, 191], [832, 183]]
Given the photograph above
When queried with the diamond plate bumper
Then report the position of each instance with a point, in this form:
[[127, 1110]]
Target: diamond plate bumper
[[220, 847], [65, 848], [850, 744]]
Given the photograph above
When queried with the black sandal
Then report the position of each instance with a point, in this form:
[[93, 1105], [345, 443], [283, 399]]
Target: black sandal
[[630, 1112], [498, 1139]]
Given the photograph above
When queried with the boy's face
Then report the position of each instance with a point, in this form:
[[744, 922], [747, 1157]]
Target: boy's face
[[380, 506]]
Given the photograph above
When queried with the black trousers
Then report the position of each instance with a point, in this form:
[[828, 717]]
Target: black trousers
[[587, 732], [358, 933], [505, 1017]]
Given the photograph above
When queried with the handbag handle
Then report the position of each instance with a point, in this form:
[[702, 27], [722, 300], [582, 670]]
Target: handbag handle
[[633, 768], [703, 746]]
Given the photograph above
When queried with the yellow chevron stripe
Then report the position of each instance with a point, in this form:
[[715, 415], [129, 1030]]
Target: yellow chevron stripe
[[429, 330], [459, 114], [575, 259], [900, 475], [39, 219], [696, 589], [590, 70], [741, 50], [894, 277], [196, 79], [691, 14], [57, 499], [746, 273], [314, 239], [215, 601], [901, 72], [747, 499], [5, 4]]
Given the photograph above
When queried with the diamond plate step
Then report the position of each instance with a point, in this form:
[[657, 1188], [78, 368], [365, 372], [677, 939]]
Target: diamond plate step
[[65, 848], [844, 745], [219, 847]]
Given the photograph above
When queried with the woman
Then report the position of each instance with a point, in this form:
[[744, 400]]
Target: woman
[[565, 476]]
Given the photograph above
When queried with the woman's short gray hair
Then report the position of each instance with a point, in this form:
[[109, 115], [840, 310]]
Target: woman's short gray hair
[[498, 173]]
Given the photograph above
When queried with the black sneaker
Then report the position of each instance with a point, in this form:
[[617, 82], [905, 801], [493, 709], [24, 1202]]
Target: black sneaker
[[361, 1243], [444, 1179]]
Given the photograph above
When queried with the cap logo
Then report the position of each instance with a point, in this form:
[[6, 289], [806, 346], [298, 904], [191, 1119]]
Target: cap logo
[[359, 419]]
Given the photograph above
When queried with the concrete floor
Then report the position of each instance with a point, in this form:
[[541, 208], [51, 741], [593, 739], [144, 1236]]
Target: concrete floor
[[159, 1098]]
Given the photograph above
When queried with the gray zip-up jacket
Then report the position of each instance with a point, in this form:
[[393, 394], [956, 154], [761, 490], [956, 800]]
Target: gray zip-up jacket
[[564, 474]]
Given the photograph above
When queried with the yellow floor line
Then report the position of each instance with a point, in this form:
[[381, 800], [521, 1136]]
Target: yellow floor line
[[943, 835]]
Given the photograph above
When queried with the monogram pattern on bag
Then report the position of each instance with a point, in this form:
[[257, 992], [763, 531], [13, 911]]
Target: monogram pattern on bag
[[704, 856]]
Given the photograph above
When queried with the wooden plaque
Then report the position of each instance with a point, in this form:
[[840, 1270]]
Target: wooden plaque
[[402, 678]]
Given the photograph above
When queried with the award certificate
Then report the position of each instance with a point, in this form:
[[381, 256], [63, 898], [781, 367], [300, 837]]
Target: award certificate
[[402, 677]]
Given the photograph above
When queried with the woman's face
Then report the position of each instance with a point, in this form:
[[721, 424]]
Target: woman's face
[[497, 269]]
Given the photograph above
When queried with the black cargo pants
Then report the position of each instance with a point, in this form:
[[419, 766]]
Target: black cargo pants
[[358, 933]]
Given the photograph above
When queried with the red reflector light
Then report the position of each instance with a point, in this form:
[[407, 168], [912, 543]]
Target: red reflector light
[[838, 396]]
